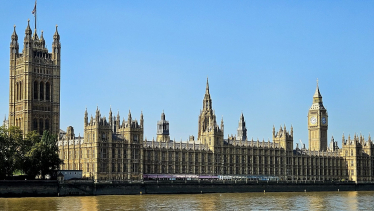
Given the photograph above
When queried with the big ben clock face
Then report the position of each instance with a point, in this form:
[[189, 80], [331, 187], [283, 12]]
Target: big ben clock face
[[313, 120], [323, 120]]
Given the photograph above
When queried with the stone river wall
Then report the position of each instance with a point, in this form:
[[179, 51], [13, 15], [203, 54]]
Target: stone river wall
[[89, 188]]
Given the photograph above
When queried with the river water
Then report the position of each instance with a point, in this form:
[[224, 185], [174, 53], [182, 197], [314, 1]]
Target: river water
[[352, 200]]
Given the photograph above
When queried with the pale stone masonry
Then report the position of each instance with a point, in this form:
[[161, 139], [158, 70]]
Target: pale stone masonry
[[34, 83], [111, 150]]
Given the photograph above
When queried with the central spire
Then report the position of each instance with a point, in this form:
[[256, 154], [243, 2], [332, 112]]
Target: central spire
[[207, 103], [207, 86]]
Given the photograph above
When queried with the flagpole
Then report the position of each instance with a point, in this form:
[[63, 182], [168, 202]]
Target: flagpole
[[35, 15]]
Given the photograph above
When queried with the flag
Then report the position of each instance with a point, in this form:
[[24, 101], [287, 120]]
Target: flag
[[34, 10]]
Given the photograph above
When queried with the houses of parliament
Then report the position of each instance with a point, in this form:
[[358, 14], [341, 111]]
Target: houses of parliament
[[115, 149]]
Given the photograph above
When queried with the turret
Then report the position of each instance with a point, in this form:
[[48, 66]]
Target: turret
[[35, 36], [85, 118], [110, 116], [27, 42], [163, 129], [129, 120], [97, 116], [141, 120], [28, 33], [369, 139], [222, 125], [14, 47], [118, 124], [283, 138], [291, 131], [42, 41], [333, 145], [14, 51], [56, 48], [207, 102], [242, 129]]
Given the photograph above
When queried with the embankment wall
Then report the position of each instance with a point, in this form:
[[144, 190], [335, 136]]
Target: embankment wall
[[90, 188]]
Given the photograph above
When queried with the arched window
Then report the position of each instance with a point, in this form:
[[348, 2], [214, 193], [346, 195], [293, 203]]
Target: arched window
[[35, 125], [41, 127], [41, 91], [16, 91], [47, 124], [35, 90], [47, 91], [20, 90]]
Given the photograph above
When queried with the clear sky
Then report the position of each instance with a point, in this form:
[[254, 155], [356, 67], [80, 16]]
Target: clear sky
[[262, 58]]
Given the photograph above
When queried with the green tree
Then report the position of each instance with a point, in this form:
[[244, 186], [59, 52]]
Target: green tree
[[12, 150], [42, 158]]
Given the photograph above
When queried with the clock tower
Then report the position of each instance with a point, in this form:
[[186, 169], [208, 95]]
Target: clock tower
[[317, 124]]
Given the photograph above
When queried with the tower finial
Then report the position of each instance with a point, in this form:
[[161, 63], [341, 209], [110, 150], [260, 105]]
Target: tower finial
[[28, 30], [163, 115], [14, 35], [56, 36], [317, 94], [207, 86]]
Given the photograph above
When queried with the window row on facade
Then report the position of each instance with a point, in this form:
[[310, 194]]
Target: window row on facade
[[40, 125], [42, 91]]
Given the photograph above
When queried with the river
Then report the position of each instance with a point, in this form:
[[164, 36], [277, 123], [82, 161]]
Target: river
[[351, 200]]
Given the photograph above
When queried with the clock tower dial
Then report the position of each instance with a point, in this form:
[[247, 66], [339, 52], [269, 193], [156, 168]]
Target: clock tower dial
[[317, 123], [324, 121], [313, 120]]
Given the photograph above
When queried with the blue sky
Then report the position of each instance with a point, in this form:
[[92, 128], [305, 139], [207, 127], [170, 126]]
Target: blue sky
[[262, 58]]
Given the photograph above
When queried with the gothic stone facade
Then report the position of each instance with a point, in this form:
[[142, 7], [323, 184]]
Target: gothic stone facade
[[114, 150], [34, 83]]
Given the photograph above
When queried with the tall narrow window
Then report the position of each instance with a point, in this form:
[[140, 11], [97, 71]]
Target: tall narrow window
[[20, 91], [47, 124], [35, 125], [35, 90], [41, 91], [47, 91], [16, 97], [41, 126]]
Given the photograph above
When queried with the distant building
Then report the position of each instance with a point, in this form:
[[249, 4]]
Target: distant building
[[5, 123]]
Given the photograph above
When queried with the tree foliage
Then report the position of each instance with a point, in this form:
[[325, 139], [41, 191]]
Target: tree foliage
[[34, 154], [42, 158], [12, 150]]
